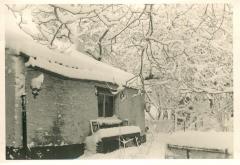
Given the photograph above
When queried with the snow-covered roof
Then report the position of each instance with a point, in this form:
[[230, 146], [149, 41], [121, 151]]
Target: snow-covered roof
[[73, 65]]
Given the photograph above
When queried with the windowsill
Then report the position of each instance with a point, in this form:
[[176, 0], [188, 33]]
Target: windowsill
[[108, 120]]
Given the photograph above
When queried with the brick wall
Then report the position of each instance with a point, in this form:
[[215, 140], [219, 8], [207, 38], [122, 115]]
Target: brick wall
[[61, 112], [69, 105]]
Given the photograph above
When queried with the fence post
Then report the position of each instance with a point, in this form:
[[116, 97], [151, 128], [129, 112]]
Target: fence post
[[184, 126], [226, 153], [188, 156]]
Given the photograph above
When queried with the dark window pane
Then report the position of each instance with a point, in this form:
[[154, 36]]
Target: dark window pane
[[100, 105], [108, 106], [104, 91], [105, 102]]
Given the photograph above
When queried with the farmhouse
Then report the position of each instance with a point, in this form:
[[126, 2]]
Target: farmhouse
[[54, 101]]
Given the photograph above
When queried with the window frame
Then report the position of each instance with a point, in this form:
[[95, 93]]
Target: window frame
[[105, 92]]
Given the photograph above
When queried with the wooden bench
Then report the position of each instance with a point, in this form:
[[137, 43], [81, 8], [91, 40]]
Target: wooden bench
[[109, 144], [189, 152], [101, 124], [109, 139]]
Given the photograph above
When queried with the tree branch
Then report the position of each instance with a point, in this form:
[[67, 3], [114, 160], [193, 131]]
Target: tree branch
[[210, 91], [220, 23], [181, 14], [141, 69], [54, 36], [129, 24], [154, 59], [150, 28], [100, 43], [101, 19]]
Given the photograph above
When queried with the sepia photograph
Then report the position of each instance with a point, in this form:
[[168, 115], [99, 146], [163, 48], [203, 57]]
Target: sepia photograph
[[118, 81]]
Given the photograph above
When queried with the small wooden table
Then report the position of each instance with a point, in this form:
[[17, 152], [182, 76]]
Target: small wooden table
[[112, 138]]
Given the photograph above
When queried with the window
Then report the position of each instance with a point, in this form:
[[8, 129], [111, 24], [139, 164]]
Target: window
[[105, 102]]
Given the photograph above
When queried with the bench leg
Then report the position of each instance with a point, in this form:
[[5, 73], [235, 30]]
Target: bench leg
[[136, 140]]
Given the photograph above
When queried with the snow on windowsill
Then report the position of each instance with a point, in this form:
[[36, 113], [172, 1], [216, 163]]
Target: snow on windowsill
[[108, 120]]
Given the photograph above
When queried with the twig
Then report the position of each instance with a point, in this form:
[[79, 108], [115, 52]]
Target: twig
[[100, 42], [180, 14], [129, 23], [54, 36]]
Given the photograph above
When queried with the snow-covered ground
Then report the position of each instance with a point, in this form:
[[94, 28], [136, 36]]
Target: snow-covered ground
[[210, 139], [155, 147]]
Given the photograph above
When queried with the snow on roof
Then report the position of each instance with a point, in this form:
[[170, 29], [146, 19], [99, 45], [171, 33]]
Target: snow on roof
[[211, 139], [73, 65]]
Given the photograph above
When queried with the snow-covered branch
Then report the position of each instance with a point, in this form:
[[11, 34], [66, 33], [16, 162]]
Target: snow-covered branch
[[206, 90], [176, 50]]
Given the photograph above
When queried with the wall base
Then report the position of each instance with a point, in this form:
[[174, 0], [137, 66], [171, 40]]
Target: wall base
[[46, 152]]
